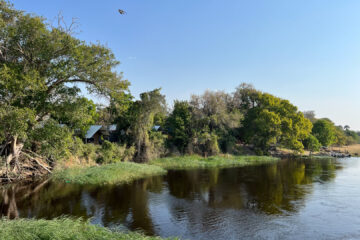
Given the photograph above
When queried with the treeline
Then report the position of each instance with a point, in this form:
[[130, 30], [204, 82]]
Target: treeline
[[43, 114], [327, 133], [219, 122]]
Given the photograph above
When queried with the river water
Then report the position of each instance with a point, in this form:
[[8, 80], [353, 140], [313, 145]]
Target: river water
[[290, 199]]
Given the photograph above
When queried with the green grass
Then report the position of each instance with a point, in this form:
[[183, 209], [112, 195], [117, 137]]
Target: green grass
[[61, 229], [194, 161], [116, 173]]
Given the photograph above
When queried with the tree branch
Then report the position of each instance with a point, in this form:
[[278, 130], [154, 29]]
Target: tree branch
[[59, 82]]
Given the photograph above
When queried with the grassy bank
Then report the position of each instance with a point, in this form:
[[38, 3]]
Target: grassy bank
[[62, 228], [194, 161], [116, 173]]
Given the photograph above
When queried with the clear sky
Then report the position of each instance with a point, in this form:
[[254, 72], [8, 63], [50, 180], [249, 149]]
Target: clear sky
[[303, 50]]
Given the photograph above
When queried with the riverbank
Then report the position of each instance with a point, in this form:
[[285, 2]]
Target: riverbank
[[352, 149], [61, 228], [116, 173], [195, 161], [125, 172]]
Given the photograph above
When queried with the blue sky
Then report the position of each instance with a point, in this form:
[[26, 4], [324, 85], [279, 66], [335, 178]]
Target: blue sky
[[303, 50]]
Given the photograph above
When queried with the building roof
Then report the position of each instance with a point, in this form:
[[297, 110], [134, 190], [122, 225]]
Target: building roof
[[92, 130], [112, 127]]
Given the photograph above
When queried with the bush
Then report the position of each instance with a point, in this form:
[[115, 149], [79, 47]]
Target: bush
[[205, 144], [312, 144], [112, 153], [157, 141]]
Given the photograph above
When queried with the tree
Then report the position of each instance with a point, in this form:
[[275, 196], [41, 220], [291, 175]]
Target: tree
[[245, 97], [14, 123], [324, 131], [214, 113], [310, 115], [178, 126], [340, 138], [312, 144], [39, 65], [139, 121], [77, 113], [261, 127], [271, 121]]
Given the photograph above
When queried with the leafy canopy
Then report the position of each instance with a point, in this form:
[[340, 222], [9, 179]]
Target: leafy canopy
[[39, 67]]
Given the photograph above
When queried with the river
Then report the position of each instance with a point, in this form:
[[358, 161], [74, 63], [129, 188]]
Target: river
[[290, 199]]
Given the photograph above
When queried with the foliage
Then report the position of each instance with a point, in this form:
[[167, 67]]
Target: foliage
[[271, 120], [312, 144], [157, 140], [342, 135], [15, 122], [83, 151], [205, 143], [310, 115], [116, 173], [261, 128], [324, 131], [112, 153], [351, 136], [214, 123], [196, 161], [39, 65], [178, 126], [138, 121], [78, 113], [61, 228], [51, 140]]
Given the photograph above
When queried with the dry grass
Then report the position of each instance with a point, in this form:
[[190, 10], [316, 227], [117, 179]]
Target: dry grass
[[352, 149], [290, 152]]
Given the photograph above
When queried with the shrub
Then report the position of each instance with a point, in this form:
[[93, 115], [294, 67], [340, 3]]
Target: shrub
[[112, 152], [157, 141], [312, 144]]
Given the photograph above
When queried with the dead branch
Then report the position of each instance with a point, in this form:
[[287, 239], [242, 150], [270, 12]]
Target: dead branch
[[37, 161]]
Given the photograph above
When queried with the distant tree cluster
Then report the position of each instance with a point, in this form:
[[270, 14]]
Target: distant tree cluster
[[213, 123], [328, 134], [217, 122]]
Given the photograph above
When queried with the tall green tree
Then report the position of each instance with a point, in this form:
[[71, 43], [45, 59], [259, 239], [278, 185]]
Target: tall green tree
[[77, 113], [138, 122], [324, 131], [271, 120], [215, 117], [178, 126], [312, 144], [39, 64]]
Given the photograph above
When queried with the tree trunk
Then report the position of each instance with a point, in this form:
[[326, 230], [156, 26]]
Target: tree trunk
[[13, 157]]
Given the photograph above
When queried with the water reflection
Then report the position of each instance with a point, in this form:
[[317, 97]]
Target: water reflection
[[191, 199]]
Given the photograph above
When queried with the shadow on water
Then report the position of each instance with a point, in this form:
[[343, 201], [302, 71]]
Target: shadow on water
[[274, 189]]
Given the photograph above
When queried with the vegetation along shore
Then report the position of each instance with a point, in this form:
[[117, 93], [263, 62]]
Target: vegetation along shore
[[46, 123], [116, 173], [62, 228], [195, 161]]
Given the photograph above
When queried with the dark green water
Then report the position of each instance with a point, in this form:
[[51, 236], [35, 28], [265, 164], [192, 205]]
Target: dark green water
[[291, 199]]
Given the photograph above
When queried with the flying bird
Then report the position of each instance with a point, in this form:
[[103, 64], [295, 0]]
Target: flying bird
[[122, 12]]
